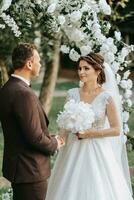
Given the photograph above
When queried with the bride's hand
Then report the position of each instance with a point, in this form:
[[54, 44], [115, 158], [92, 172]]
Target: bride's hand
[[85, 134]]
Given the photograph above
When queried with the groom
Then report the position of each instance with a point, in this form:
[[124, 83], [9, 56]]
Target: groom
[[27, 144]]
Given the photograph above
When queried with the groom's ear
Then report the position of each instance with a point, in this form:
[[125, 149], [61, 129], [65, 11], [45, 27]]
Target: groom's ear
[[29, 65]]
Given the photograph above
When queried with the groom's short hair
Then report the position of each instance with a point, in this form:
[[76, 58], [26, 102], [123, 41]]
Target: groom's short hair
[[21, 54]]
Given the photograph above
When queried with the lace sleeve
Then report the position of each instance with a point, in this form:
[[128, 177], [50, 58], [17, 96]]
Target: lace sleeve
[[112, 113]]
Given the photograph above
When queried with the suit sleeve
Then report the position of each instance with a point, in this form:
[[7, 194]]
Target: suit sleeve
[[27, 114]]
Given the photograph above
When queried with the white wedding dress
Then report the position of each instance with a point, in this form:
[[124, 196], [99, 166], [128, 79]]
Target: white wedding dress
[[87, 169]]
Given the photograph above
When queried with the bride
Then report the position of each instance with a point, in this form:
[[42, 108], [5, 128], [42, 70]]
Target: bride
[[93, 164]]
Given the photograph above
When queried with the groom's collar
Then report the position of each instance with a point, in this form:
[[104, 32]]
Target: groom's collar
[[21, 78]]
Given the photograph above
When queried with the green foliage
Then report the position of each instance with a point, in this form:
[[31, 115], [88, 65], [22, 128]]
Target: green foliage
[[30, 18], [121, 11], [133, 183], [131, 121]]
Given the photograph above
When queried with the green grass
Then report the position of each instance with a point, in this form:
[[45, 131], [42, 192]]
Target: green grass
[[66, 85], [131, 122], [36, 86], [131, 158]]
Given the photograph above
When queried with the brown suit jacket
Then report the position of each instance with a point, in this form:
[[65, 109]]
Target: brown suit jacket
[[27, 145]]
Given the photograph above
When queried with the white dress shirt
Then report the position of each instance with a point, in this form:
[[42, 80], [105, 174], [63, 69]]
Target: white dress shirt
[[21, 78]]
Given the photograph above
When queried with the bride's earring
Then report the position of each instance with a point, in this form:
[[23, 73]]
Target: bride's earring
[[81, 84]]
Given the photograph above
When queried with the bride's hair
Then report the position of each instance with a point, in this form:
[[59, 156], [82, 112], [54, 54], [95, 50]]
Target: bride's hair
[[97, 61]]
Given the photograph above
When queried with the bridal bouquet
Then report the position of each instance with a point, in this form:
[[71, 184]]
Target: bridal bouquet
[[76, 116]]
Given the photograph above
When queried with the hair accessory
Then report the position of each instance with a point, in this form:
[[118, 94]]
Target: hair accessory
[[93, 60]]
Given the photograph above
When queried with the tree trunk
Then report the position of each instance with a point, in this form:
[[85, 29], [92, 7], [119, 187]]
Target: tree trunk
[[50, 77], [3, 73]]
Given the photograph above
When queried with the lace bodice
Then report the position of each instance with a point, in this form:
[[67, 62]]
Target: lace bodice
[[98, 105]]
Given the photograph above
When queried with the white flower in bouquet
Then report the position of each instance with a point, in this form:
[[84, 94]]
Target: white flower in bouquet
[[76, 116]]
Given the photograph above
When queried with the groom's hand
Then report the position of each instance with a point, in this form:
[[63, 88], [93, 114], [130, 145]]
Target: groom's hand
[[60, 141]]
